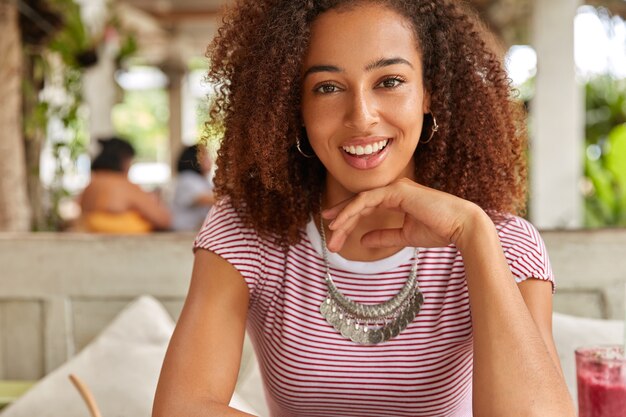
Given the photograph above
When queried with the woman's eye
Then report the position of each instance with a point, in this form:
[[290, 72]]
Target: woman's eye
[[327, 89], [391, 82]]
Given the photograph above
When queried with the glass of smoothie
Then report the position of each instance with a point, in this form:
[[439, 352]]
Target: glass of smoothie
[[601, 375]]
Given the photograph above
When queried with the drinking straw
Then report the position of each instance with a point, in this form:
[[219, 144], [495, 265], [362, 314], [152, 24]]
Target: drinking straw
[[87, 395]]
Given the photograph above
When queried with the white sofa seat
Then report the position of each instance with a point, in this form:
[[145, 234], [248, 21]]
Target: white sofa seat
[[121, 366]]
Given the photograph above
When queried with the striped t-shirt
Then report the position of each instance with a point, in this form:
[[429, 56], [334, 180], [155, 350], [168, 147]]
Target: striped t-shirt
[[309, 369]]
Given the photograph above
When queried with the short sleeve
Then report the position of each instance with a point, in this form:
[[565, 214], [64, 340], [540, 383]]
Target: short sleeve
[[224, 234], [525, 250]]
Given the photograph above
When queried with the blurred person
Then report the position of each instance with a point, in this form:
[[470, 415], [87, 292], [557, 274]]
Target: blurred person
[[193, 191], [113, 204]]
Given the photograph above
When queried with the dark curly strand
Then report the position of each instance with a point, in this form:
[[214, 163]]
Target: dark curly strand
[[477, 154]]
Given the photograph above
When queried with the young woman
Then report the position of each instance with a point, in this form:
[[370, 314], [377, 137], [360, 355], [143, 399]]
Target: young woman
[[113, 204], [193, 191], [370, 172]]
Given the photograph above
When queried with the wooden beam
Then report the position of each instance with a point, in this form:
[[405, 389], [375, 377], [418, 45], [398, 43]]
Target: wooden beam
[[178, 16]]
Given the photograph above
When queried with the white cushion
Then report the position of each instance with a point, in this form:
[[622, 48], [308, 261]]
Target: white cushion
[[572, 332], [121, 367]]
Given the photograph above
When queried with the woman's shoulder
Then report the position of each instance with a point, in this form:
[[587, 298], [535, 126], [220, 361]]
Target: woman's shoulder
[[225, 220], [522, 243], [224, 209], [524, 248], [511, 225], [190, 176], [192, 181], [112, 182], [226, 223], [515, 231], [104, 189]]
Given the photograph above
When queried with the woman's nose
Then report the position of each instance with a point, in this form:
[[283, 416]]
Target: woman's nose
[[362, 113]]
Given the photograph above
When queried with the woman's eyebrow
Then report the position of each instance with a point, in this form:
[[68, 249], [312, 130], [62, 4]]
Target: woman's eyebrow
[[321, 68], [379, 63], [385, 62]]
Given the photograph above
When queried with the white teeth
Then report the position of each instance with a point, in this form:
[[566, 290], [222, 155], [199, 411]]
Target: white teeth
[[368, 149]]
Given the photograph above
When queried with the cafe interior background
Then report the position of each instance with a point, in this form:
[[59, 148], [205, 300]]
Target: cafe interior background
[[73, 71]]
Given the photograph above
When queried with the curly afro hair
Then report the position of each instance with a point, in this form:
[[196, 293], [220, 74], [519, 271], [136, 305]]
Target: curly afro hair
[[477, 154]]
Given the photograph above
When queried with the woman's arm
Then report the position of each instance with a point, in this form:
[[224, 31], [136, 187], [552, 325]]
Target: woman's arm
[[537, 295], [515, 370], [205, 199], [202, 362], [150, 207]]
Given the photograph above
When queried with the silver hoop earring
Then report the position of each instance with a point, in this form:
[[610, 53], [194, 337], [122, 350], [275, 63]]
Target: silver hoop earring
[[300, 149], [433, 129]]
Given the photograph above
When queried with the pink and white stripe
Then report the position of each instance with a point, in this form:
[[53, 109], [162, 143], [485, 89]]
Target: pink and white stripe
[[310, 370]]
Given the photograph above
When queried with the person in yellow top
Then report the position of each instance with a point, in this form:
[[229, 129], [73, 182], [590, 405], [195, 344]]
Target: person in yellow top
[[113, 204]]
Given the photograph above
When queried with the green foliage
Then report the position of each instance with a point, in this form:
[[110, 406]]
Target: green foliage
[[72, 39], [55, 82], [36, 120], [198, 63], [211, 134], [128, 48], [142, 119], [605, 156], [57, 72], [128, 42]]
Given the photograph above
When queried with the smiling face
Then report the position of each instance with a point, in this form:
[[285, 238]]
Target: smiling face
[[363, 99]]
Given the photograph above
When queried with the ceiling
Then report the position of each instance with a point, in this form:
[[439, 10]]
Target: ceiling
[[170, 32], [181, 29]]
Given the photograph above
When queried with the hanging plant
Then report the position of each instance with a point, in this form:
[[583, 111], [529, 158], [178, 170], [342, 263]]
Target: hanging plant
[[59, 50]]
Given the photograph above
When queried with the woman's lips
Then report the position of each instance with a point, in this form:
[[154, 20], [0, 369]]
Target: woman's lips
[[367, 161]]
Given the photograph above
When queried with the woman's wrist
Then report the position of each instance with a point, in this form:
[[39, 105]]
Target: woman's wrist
[[477, 228]]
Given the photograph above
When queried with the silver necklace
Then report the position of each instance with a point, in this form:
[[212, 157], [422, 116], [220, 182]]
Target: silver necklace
[[370, 324]]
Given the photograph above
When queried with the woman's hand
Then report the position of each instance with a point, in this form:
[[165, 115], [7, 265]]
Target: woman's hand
[[432, 218]]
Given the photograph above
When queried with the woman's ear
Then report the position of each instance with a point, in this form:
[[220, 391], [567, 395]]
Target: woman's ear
[[426, 102]]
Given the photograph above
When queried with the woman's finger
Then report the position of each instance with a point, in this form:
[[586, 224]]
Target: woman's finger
[[363, 203], [340, 234], [384, 238], [336, 241]]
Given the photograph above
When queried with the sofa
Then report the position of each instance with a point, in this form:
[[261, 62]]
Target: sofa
[[72, 303], [121, 365]]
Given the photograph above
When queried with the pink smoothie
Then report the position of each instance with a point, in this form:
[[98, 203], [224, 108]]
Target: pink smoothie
[[601, 375]]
